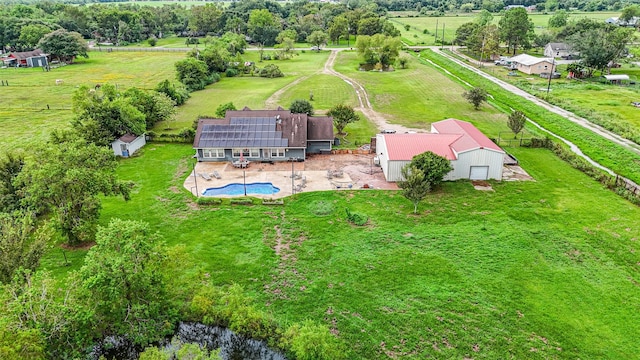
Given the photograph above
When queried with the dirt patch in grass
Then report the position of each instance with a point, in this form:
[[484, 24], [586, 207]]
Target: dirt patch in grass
[[84, 246]]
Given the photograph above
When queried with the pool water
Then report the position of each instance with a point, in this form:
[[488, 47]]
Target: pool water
[[238, 189]]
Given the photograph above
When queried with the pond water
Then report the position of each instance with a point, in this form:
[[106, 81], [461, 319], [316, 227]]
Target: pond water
[[238, 189], [232, 346]]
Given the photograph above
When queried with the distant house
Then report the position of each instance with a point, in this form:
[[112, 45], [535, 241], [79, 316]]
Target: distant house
[[633, 22], [532, 65], [473, 155], [558, 50], [35, 58], [528, 8], [262, 135], [128, 144]]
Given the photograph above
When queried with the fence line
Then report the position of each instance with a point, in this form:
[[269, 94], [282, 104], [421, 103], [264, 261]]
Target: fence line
[[628, 184], [138, 49]]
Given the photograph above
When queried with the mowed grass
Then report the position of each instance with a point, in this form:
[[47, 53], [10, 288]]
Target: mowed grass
[[537, 270], [24, 116], [416, 35], [419, 95], [328, 91], [247, 90]]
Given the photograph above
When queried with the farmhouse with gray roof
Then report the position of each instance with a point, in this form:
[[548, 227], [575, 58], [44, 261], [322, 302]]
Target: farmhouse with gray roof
[[262, 135]]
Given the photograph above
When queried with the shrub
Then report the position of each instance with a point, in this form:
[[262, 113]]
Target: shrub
[[208, 201], [309, 341], [321, 207], [355, 218], [271, 71], [231, 72], [192, 40], [152, 41]]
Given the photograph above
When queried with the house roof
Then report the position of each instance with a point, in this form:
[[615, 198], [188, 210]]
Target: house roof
[[320, 128], [472, 137], [448, 138], [403, 147], [128, 138], [528, 60], [558, 46], [27, 54], [262, 128]]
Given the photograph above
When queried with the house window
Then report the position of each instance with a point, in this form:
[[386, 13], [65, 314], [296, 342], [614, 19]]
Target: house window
[[212, 153], [277, 152], [252, 153]]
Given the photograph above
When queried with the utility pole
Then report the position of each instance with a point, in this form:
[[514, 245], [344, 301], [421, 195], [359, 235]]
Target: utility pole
[[553, 64], [436, 33]]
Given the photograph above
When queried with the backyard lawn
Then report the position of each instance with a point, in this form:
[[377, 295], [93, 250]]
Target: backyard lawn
[[538, 269]]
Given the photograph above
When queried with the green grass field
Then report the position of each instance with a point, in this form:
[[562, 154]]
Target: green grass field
[[537, 270], [24, 117], [419, 95], [416, 35]]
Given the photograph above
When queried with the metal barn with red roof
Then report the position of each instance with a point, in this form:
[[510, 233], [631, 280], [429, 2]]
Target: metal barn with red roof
[[472, 154]]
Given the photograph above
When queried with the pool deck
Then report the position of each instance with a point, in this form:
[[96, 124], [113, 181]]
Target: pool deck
[[308, 176]]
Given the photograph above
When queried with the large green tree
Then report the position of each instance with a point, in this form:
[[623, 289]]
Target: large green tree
[[205, 19], [378, 49], [126, 284], [104, 116], [317, 38], [66, 180], [21, 246], [10, 167], [434, 167], [64, 45], [516, 29], [263, 27], [600, 47], [342, 116], [193, 73]]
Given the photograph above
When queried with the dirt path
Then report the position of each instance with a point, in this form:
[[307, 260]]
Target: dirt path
[[274, 99], [363, 98]]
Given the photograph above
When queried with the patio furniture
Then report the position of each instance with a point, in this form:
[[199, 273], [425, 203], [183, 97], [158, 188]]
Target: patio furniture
[[216, 175], [241, 164], [205, 176]]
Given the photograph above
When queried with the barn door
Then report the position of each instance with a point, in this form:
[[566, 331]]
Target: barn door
[[479, 173]]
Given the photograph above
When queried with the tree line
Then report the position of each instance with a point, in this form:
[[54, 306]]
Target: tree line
[[22, 26], [598, 43]]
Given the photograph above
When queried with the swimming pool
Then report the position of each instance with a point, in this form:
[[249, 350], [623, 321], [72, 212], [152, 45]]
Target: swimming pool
[[238, 189]]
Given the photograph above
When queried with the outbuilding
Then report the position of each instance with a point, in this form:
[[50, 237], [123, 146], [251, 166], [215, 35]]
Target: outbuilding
[[128, 144], [472, 154], [620, 79], [532, 65]]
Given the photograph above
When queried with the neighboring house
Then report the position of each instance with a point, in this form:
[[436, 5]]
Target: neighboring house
[[35, 58], [528, 8], [558, 50], [262, 135], [532, 65], [128, 144], [633, 22], [473, 155]]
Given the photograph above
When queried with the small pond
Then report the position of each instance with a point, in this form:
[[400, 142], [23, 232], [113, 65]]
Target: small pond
[[232, 346], [238, 189]]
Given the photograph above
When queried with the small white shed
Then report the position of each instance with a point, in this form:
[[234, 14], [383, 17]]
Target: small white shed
[[128, 144], [473, 155]]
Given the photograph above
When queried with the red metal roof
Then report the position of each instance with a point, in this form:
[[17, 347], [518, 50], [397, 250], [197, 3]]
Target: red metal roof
[[472, 139], [406, 146]]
